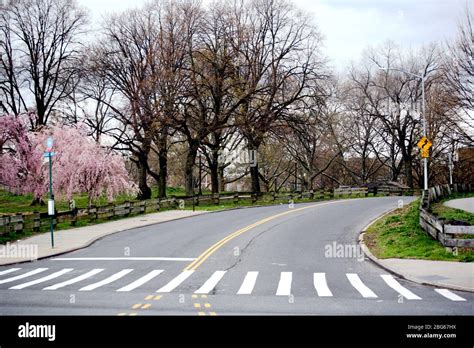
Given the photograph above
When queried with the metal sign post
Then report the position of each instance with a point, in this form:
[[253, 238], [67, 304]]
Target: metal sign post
[[451, 167], [49, 154]]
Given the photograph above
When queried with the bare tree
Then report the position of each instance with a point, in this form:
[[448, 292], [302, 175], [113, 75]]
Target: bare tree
[[213, 94], [309, 136], [394, 98], [39, 51], [126, 56], [359, 138], [460, 68], [279, 58], [142, 55]]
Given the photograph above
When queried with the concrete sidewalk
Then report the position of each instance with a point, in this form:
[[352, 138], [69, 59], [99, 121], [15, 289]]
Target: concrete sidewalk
[[453, 275], [78, 238], [442, 274], [466, 204]]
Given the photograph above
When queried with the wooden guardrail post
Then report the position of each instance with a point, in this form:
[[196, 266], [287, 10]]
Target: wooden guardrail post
[[92, 213], [254, 198], [18, 222], [3, 225], [36, 221]]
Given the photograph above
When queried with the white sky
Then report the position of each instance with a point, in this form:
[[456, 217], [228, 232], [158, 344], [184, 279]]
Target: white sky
[[350, 26]]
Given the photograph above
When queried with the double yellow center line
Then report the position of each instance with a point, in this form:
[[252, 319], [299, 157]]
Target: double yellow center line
[[205, 255]]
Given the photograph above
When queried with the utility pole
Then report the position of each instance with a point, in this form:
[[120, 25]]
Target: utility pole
[[200, 175], [451, 167]]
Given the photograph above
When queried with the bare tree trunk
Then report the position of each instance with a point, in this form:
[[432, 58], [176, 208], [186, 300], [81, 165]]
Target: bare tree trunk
[[255, 179], [145, 191], [408, 165], [221, 179], [163, 163], [214, 170], [188, 170]]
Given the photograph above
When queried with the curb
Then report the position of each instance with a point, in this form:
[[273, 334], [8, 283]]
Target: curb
[[92, 241], [389, 269]]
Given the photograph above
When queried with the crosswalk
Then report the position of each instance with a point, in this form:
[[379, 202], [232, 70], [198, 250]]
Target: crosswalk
[[92, 280]]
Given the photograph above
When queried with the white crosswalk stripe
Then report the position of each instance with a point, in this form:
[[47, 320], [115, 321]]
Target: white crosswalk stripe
[[139, 282], [11, 270], [321, 286], [284, 286], [247, 287], [42, 280], [356, 282], [450, 295], [211, 283], [106, 281], [173, 284], [24, 275], [75, 280], [248, 284], [399, 288]]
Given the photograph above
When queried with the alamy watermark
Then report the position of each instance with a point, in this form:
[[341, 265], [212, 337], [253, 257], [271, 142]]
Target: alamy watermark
[[344, 251], [37, 331], [19, 251], [249, 157]]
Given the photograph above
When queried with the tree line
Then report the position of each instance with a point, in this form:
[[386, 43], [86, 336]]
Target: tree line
[[173, 85]]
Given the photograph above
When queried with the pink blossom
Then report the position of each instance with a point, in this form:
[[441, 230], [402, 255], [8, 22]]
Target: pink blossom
[[80, 165]]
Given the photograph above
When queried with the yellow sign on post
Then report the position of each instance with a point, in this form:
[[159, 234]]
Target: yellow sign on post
[[425, 144]]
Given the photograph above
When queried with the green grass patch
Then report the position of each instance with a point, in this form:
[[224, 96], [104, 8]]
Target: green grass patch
[[399, 235]]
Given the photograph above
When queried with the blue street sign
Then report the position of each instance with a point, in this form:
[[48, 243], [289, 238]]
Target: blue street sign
[[49, 144], [49, 154]]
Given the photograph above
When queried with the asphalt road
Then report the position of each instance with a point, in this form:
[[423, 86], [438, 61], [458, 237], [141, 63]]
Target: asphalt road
[[263, 261], [466, 204]]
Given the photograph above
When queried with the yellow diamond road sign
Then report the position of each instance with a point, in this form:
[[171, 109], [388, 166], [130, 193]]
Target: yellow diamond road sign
[[425, 144], [425, 153]]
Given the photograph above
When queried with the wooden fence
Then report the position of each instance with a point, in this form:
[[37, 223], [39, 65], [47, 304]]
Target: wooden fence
[[41, 221], [449, 236]]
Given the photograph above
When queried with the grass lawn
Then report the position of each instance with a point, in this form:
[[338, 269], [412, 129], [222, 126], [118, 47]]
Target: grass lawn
[[399, 235]]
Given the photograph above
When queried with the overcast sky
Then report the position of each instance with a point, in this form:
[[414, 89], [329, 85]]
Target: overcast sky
[[350, 26]]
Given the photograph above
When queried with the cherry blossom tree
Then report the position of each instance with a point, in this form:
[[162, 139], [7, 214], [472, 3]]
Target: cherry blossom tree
[[20, 158], [80, 165]]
